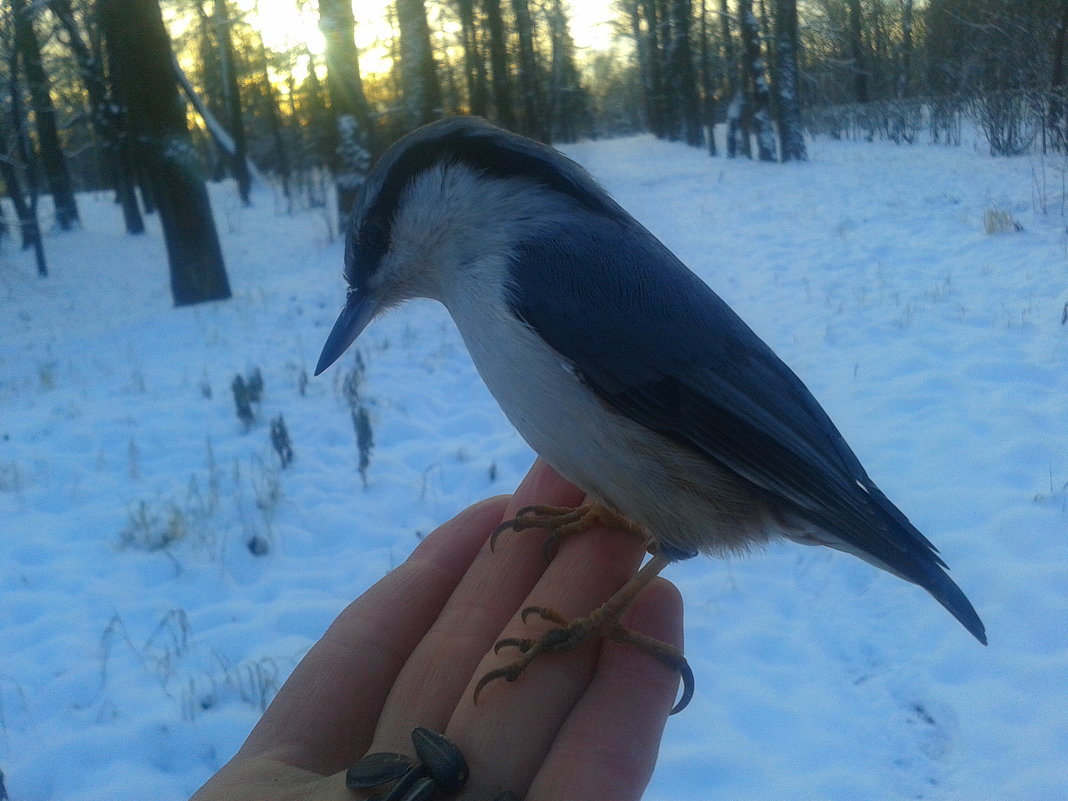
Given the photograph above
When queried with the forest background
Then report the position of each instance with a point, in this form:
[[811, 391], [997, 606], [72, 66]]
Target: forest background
[[151, 97], [166, 563]]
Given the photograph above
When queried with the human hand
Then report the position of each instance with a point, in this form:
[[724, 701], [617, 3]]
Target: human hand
[[408, 652]]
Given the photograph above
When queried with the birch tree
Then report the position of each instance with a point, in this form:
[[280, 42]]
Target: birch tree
[[737, 116], [353, 141], [791, 132], [758, 81], [420, 90]]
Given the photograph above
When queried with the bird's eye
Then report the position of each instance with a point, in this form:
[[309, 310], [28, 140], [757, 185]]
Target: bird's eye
[[374, 236]]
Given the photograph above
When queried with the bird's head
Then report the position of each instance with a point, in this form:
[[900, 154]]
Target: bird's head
[[442, 211]]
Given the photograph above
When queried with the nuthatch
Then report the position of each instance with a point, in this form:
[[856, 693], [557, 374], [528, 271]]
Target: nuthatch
[[618, 365]]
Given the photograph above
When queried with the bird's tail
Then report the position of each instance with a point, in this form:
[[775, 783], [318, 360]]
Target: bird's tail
[[898, 547]]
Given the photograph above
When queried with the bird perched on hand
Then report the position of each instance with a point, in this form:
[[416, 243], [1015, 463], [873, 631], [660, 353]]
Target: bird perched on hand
[[618, 365]]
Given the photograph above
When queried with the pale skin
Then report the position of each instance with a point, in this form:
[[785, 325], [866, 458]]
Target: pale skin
[[408, 652]]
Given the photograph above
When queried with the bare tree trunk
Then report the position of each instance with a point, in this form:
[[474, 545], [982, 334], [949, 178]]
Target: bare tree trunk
[[791, 133], [474, 62], [569, 107], [771, 64], [420, 90], [502, 90], [25, 212], [321, 133], [232, 102], [708, 98], [210, 92], [142, 66], [220, 135], [903, 86], [534, 120], [683, 76], [274, 123], [353, 144], [52, 159], [102, 115], [655, 91], [736, 135], [758, 87], [1055, 113], [856, 52], [641, 46]]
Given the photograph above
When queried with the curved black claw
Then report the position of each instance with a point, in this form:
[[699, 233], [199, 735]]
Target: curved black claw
[[683, 667], [551, 518], [545, 614], [508, 673], [668, 655], [517, 523], [524, 644], [503, 527]]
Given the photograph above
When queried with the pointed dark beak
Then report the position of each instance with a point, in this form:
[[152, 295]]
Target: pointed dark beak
[[358, 311]]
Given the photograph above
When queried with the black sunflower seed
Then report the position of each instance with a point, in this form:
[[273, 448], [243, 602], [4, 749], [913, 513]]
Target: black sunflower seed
[[376, 769], [442, 759]]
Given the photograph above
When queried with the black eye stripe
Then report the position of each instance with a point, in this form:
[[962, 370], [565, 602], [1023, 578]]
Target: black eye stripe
[[374, 235], [364, 250]]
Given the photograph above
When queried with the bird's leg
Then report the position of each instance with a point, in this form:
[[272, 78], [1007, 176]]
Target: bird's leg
[[603, 621], [564, 521]]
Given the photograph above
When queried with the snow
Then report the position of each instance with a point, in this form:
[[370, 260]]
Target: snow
[[141, 637]]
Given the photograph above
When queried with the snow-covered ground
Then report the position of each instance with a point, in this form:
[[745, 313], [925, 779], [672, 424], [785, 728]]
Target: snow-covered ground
[[140, 636]]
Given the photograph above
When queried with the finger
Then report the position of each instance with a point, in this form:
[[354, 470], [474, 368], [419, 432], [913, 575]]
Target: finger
[[434, 680], [325, 715], [608, 745], [507, 736], [259, 778]]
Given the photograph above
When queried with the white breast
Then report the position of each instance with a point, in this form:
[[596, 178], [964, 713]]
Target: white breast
[[678, 496]]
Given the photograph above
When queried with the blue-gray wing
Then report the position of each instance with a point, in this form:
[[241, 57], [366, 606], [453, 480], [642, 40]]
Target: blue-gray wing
[[659, 346]]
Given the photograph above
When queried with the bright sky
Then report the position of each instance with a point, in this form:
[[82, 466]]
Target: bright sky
[[284, 25]]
